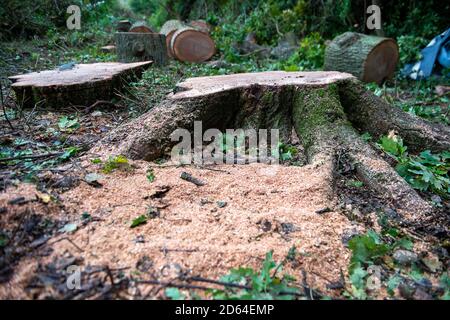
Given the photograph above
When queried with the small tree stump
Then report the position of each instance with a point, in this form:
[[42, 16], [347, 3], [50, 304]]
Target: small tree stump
[[132, 47], [190, 45], [168, 29], [82, 85], [369, 58], [140, 27]]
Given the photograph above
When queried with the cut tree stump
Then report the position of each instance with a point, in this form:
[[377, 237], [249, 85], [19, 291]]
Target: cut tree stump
[[140, 27], [168, 29], [369, 58], [133, 47], [82, 85], [322, 107], [191, 45]]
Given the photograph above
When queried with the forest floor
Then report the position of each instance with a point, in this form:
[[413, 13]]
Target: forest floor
[[137, 229]]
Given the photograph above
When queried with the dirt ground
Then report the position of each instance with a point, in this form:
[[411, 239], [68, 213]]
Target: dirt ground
[[241, 212]]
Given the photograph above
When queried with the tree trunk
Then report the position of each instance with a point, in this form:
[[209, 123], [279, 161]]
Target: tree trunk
[[132, 47], [190, 45], [369, 58]]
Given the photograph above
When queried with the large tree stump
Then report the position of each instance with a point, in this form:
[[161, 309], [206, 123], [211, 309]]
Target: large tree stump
[[191, 45], [83, 84], [132, 47], [322, 107], [369, 58]]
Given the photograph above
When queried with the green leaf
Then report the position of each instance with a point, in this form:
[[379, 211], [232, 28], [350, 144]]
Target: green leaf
[[150, 175], [69, 153], [174, 294], [138, 221], [66, 124], [357, 277], [366, 248], [404, 243], [117, 162], [393, 283], [354, 183], [366, 136]]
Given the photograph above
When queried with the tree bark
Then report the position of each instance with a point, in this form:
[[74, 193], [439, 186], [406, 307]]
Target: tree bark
[[374, 115], [83, 84], [132, 47]]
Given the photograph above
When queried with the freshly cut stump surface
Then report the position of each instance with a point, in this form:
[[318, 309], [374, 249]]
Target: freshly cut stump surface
[[191, 45], [80, 84]]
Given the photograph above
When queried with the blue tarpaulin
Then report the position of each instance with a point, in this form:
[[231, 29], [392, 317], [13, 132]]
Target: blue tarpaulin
[[437, 52]]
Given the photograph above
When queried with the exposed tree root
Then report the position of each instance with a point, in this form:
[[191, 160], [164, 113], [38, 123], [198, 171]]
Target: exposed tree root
[[374, 115], [321, 106]]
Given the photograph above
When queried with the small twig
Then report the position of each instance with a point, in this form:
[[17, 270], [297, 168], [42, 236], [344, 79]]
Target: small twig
[[66, 238], [32, 156], [189, 178], [173, 285], [100, 102], [166, 250], [110, 275], [4, 108]]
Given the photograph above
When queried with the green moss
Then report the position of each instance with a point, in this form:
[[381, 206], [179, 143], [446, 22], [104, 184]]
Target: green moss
[[317, 109]]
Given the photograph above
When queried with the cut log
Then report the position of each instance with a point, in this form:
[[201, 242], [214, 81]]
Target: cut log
[[201, 25], [133, 47], [123, 26], [190, 45], [82, 85], [250, 47], [168, 29], [140, 27], [316, 104], [369, 58]]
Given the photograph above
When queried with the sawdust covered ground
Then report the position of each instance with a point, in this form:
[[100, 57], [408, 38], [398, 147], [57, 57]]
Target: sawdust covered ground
[[241, 213]]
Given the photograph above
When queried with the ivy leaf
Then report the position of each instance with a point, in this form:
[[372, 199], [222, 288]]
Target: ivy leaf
[[392, 284]]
